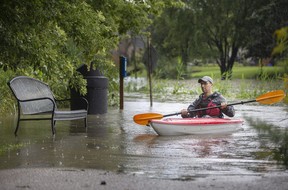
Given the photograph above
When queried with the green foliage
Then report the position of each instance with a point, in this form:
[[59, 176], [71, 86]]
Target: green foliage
[[281, 50], [246, 83], [272, 15], [218, 30], [174, 70], [276, 136], [239, 72], [9, 147], [188, 90], [179, 68], [49, 40], [7, 102]]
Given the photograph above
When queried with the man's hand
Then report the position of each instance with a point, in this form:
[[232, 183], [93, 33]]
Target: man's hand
[[223, 105], [184, 113]]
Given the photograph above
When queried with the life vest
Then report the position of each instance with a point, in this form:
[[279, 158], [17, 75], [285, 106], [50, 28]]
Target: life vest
[[208, 102]]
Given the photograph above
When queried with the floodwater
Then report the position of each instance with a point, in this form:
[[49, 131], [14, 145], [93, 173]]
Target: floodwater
[[113, 142]]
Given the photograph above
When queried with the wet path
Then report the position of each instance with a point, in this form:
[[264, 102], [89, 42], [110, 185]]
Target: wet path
[[114, 142]]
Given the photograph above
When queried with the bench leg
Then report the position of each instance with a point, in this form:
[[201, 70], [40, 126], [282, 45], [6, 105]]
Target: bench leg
[[85, 122], [53, 126], [17, 127], [18, 120]]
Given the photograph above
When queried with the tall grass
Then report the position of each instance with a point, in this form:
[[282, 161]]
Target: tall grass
[[9, 147], [276, 136], [188, 90], [239, 72], [7, 101], [247, 83]]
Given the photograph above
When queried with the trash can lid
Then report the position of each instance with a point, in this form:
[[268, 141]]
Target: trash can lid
[[83, 69]]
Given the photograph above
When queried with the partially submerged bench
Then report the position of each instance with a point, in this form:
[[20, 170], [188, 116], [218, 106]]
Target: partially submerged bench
[[35, 98]]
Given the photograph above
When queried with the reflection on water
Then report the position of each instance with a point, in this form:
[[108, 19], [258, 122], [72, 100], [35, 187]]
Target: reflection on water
[[272, 134], [114, 142]]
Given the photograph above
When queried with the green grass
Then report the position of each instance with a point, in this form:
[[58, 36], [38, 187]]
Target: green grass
[[245, 83], [6, 147], [238, 72]]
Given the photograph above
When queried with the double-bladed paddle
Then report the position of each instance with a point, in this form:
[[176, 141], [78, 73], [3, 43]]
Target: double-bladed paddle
[[267, 98]]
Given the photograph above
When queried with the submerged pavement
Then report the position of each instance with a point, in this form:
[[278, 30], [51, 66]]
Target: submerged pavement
[[115, 153], [70, 178]]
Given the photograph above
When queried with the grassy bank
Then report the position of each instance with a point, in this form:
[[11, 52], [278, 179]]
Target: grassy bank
[[246, 83], [239, 72], [187, 90]]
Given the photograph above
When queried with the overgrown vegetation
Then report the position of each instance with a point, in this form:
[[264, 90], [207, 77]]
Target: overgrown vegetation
[[281, 51], [219, 32], [9, 147], [49, 40], [187, 90], [275, 135]]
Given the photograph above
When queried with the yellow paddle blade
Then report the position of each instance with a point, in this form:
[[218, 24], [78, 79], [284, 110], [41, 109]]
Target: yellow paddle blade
[[143, 119], [271, 97]]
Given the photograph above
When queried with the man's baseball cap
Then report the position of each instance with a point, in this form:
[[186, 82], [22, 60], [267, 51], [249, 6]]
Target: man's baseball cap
[[206, 79]]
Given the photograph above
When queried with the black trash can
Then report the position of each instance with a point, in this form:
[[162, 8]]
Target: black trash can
[[97, 91], [97, 94]]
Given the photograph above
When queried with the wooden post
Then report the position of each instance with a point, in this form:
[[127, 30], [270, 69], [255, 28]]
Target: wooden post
[[122, 74], [150, 71], [121, 91]]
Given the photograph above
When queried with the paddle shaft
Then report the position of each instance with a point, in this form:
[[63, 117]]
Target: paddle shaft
[[268, 98], [219, 106], [208, 108]]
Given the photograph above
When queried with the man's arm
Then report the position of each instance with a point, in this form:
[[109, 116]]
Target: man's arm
[[227, 110]]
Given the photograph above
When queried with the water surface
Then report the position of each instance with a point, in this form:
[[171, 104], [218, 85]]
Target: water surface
[[115, 143]]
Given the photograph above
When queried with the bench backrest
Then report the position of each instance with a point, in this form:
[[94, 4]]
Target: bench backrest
[[27, 88]]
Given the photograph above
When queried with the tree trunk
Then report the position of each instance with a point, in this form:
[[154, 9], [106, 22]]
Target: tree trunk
[[222, 65], [231, 62], [226, 65], [223, 70], [184, 55]]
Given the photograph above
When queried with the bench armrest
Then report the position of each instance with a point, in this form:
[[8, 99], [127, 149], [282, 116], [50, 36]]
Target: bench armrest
[[37, 99]]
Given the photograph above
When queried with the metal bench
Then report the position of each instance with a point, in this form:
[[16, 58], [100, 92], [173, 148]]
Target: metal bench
[[35, 98]]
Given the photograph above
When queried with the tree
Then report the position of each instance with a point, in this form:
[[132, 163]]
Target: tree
[[173, 31], [219, 29], [224, 27], [271, 16], [281, 51], [48, 40]]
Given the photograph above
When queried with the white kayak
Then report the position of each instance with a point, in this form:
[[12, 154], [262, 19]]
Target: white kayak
[[195, 126]]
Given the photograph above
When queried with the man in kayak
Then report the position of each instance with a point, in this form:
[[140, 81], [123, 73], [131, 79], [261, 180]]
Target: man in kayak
[[208, 99]]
